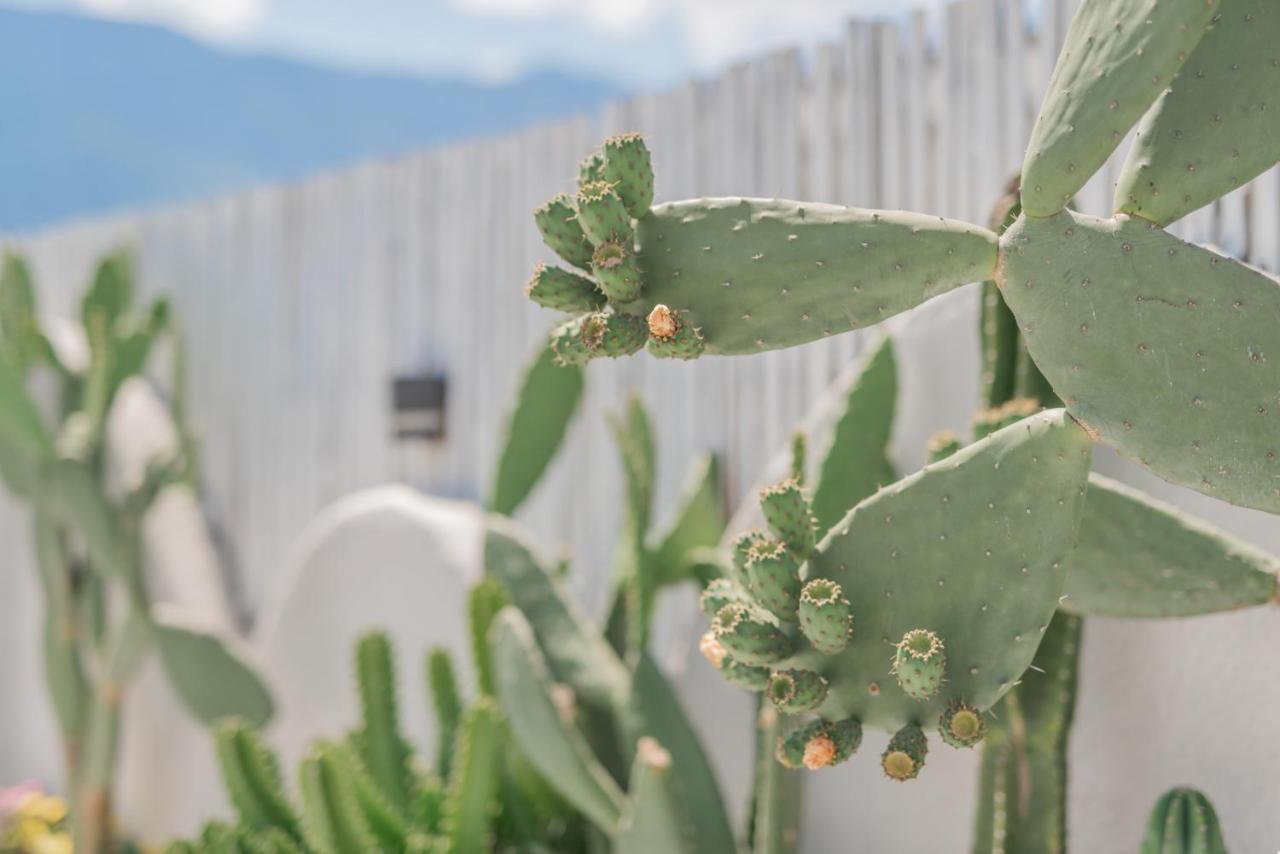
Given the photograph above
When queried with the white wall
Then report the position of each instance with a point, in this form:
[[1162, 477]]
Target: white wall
[[301, 302]]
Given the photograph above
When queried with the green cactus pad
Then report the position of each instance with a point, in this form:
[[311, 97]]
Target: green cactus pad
[[548, 397], [1118, 57], [1138, 557], [825, 618], [628, 168], [904, 757], [672, 335], [591, 169], [790, 516], [617, 270], [774, 577], [975, 548], [1161, 349], [749, 636], [209, 670], [756, 274], [602, 215], [557, 220], [1183, 821], [1216, 127], [561, 290], [856, 463], [795, 691], [920, 663], [820, 744], [961, 725], [651, 819]]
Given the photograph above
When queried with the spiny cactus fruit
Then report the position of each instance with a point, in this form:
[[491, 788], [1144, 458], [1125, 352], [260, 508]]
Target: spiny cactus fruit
[[750, 635], [820, 744], [825, 616], [904, 757], [557, 221], [627, 167], [602, 214], [1183, 821], [672, 334], [773, 577], [961, 725], [796, 691], [920, 663], [552, 287]]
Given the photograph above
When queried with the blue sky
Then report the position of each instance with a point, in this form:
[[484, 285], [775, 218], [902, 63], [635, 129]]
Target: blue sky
[[641, 43]]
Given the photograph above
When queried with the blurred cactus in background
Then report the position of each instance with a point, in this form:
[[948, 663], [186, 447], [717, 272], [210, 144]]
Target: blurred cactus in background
[[1183, 822], [100, 620]]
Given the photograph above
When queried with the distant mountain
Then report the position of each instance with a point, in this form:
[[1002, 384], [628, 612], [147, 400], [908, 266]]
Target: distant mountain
[[98, 115]]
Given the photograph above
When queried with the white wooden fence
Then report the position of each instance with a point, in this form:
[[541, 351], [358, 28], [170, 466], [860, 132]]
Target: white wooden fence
[[301, 302]]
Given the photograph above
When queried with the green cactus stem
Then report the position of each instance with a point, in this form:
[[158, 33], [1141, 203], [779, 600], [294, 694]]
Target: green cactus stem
[[251, 775], [825, 617], [920, 663], [904, 757], [382, 748], [1183, 821], [557, 220], [561, 290], [332, 820], [442, 686]]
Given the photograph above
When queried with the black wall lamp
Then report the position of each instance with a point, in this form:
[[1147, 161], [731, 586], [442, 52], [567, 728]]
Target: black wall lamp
[[419, 406]]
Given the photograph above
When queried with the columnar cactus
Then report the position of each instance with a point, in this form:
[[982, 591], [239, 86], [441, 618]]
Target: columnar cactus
[[1183, 821], [100, 621], [1115, 314]]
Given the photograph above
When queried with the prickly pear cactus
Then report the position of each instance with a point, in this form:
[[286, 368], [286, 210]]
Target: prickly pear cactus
[[1161, 348], [929, 598]]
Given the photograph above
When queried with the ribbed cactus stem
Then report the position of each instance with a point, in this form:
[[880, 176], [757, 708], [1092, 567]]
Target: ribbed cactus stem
[[382, 748]]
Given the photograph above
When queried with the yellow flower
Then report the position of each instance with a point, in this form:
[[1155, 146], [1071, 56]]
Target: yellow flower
[[46, 808], [52, 843]]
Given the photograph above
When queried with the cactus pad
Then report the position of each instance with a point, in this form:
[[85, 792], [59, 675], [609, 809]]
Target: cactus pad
[[628, 168], [1160, 348], [1118, 57], [1215, 128], [1138, 557], [755, 274]]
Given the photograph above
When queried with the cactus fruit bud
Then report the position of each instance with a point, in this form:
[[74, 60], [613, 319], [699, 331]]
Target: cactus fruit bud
[[575, 341], [961, 725], [904, 757], [602, 215], [774, 578], [795, 691], [615, 266], [717, 594], [671, 336], [591, 169], [554, 288], [942, 445], [652, 754], [623, 335], [712, 650], [557, 220], [745, 675], [920, 663], [790, 516], [749, 637], [627, 166], [824, 614], [820, 744]]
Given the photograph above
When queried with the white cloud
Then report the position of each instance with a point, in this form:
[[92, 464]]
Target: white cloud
[[210, 18], [610, 15]]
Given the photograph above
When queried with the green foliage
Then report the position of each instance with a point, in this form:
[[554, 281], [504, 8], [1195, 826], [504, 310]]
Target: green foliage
[[547, 398]]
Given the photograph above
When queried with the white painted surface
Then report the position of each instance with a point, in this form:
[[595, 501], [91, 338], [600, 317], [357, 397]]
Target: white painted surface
[[301, 302]]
